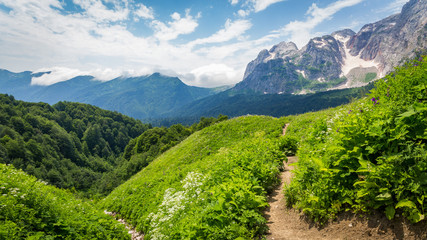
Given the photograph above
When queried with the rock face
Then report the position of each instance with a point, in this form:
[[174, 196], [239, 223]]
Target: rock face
[[342, 59], [392, 39]]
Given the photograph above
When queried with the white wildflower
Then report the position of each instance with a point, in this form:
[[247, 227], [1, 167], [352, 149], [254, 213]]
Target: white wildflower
[[174, 203]]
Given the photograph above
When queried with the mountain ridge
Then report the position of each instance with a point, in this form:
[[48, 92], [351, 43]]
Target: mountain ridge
[[140, 97], [342, 59]]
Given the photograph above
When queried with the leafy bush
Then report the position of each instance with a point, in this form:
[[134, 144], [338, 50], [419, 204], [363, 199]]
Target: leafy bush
[[211, 186], [370, 154], [30, 209], [288, 145]]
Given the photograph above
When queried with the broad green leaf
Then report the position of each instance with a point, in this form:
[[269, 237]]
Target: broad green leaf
[[406, 203], [313, 198], [366, 184], [420, 107], [416, 216], [411, 111], [383, 196], [389, 212], [347, 200], [361, 194], [363, 163]]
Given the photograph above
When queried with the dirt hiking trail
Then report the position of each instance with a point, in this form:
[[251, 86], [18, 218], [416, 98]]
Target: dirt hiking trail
[[288, 223]]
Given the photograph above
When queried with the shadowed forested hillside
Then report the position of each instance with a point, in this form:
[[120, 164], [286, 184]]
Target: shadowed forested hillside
[[70, 145]]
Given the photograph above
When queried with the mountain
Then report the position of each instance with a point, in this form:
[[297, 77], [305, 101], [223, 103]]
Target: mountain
[[17, 84], [342, 59], [235, 104], [138, 97]]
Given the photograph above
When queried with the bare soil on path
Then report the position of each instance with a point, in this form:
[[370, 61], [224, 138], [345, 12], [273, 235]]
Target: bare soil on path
[[288, 223]]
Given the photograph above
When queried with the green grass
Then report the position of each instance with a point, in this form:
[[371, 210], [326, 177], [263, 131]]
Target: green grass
[[211, 186], [369, 77], [30, 209]]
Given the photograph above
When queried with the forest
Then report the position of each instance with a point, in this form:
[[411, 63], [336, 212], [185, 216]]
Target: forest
[[81, 147]]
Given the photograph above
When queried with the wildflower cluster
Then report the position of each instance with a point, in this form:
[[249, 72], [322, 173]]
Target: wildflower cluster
[[375, 101], [174, 203]]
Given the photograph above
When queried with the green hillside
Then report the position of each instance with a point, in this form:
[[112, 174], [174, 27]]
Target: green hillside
[[69, 145], [211, 181], [235, 103], [370, 154], [210, 186], [30, 209], [145, 148]]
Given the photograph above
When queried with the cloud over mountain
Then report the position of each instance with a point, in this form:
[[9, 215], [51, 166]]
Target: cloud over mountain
[[122, 36]]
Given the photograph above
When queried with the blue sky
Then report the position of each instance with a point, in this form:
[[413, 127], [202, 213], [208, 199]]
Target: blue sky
[[204, 42]]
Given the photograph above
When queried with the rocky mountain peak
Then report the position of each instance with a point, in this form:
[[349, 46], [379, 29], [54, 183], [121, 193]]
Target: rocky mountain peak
[[343, 35], [394, 38], [342, 59], [279, 51], [284, 48]]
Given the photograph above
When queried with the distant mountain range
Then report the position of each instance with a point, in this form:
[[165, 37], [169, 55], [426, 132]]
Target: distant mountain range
[[343, 59], [235, 104], [138, 97]]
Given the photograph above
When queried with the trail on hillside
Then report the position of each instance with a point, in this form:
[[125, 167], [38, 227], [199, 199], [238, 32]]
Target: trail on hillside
[[135, 235], [290, 224]]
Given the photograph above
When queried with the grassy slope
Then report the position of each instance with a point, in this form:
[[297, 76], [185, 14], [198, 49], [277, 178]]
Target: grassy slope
[[29, 209], [370, 154], [232, 163]]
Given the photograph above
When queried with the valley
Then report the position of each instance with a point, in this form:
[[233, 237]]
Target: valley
[[216, 181], [325, 141]]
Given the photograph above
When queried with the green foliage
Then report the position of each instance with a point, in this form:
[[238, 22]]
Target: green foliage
[[69, 145], [144, 149], [211, 186], [288, 145], [30, 209], [370, 154]]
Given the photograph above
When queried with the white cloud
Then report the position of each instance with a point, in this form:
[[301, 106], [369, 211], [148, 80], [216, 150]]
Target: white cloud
[[179, 25], [144, 12], [230, 31], [253, 6], [57, 74], [97, 10], [243, 13], [214, 74], [301, 31], [60, 74], [260, 5], [394, 7], [38, 34]]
